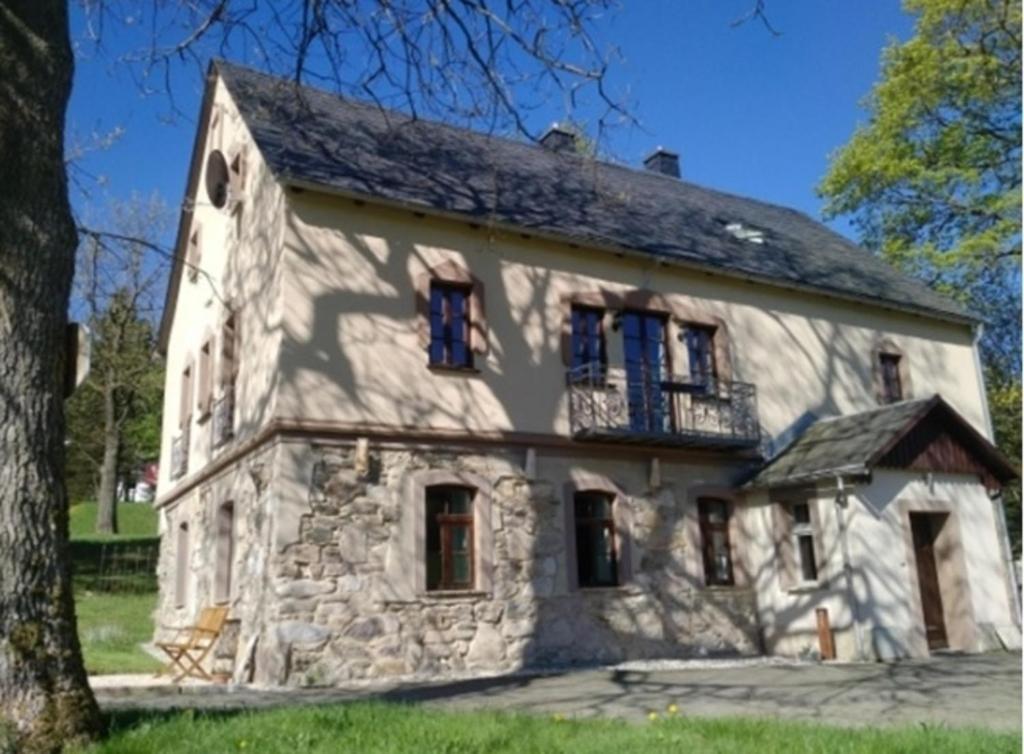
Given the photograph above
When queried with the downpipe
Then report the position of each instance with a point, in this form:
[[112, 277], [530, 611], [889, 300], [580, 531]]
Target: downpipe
[[842, 501]]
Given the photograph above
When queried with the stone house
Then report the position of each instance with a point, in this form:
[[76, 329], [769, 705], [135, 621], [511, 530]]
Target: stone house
[[439, 401]]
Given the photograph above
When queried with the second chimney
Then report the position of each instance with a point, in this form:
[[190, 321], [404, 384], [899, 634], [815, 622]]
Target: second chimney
[[558, 139], [663, 161]]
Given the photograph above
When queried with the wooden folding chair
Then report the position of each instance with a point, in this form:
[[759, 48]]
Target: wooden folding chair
[[191, 644]]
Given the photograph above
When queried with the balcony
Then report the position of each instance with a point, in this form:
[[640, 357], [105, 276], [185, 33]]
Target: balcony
[[179, 454], [634, 406], [224, 417]]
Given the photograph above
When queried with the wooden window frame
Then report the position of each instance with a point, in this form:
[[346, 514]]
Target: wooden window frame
[[800, 530], [889, 348], [204, 399], [185, 397], [445, 523], [707, 528], [454, 273], [228, 367], [890, 369], [224, 567], [576, 314], [606, 524], [711, 332], [448, 336]]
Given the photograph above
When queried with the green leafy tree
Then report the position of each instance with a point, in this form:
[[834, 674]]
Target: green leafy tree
[[932, 180], [114, 415]]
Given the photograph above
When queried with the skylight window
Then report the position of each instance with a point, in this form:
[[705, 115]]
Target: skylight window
[[745, 232]]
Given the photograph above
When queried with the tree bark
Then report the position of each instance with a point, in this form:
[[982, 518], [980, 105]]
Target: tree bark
[[106, 503], [45, 700]]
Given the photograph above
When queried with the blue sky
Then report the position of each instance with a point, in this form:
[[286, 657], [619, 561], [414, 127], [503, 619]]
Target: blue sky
[[749, 112]]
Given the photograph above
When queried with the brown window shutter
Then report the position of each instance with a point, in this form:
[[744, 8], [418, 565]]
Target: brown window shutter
[[228, 345], [205, 379], [194, 253], [785, 555], [185, 406]]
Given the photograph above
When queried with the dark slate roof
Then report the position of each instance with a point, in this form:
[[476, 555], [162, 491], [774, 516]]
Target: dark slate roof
[[315, 137], [839, 445], [852, 445]]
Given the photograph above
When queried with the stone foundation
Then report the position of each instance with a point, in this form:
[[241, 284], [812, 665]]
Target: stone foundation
[[334, 612], [324, 586]]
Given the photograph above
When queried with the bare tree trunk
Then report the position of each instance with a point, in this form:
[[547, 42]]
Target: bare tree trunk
[[106, 507], [45, 700]]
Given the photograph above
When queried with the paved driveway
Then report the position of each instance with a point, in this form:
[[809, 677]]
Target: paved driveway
[[952, 690]]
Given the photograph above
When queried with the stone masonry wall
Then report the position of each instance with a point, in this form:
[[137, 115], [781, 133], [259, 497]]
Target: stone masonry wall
[[330, 614]]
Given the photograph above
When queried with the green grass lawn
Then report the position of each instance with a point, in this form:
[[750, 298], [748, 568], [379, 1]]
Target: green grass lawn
[[133, 519], [379, 728], [111, 625]]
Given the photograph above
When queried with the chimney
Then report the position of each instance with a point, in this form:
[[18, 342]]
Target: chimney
[[558, 139], [664, 162]]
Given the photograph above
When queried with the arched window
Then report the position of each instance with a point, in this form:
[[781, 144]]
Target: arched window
[[597, 558], [181, 566], [449, 537], [225, 552]]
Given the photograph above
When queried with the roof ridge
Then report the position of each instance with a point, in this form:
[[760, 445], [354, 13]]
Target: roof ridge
[[343, 143], [633, 170]]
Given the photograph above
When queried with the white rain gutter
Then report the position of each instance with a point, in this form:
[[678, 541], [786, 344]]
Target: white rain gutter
[[842, 500], [998, 507]]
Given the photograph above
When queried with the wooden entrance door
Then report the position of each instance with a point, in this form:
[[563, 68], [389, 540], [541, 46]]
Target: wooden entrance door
[[925, 527]]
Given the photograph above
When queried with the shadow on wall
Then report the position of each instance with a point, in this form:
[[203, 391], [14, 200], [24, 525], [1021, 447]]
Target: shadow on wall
[[354, 285]]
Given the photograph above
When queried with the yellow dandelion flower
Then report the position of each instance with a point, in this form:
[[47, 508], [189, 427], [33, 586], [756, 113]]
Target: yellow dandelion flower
[[652, 716], [673, 709]]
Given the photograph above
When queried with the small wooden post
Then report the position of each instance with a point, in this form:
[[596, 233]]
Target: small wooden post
[[826, 643]]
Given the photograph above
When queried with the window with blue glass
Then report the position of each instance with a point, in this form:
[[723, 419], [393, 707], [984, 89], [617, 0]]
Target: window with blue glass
[[643, 341], [449, 326], [589, 354], [700, 349]]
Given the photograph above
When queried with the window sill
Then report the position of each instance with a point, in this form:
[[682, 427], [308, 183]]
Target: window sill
[[806, 588], [609, 589], [454, 594], [445, 369]]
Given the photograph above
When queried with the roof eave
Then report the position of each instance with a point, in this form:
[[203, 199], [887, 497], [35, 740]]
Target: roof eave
[[185, 217]]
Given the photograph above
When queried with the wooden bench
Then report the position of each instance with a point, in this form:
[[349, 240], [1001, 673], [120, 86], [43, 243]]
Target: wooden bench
[[190, 645]]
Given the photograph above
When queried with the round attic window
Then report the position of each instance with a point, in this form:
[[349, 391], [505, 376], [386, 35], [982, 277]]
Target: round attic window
[[217, 178]]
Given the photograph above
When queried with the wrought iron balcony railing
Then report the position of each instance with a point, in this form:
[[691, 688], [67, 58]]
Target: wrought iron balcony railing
[[224, 417], [634, 404], [179, 454]]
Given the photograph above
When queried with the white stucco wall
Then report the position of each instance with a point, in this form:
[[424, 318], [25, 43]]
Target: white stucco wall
[[973, 581], [351, 355], [241, 271]]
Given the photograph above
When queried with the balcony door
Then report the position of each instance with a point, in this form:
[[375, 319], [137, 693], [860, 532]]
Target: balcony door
[[646, 369]]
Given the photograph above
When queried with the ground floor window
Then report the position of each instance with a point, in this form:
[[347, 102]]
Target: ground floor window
[[449, 530], [803, 541], [714, 534], [597, 560], [225, 552]]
